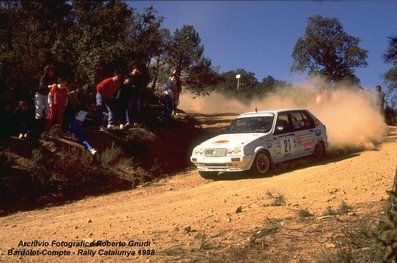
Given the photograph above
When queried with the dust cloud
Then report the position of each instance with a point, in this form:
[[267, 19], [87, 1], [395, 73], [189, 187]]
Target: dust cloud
[[350, 115]]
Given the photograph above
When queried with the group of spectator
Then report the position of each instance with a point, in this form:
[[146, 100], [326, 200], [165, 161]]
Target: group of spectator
[[51, 100], [119, 96]]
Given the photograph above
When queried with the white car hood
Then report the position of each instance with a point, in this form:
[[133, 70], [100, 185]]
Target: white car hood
[[231, 140]]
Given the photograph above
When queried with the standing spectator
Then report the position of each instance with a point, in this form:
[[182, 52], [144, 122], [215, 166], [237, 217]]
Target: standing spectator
[[177, 89], [57, 99], [76, 130], [167, 97], [23, 119], [104, 100], [41, 96], [380, 99], [135, 98], [121, 99]]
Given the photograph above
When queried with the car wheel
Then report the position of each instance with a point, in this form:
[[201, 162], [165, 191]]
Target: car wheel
[[208, 175], [262, 163], [319, 150]]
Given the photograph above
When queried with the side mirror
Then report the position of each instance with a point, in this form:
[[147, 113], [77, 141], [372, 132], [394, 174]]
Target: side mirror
[[278, 130]]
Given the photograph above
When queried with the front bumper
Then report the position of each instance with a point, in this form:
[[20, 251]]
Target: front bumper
[[223, 164]]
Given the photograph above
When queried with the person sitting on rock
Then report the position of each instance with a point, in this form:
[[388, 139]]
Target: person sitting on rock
[[23, 119]]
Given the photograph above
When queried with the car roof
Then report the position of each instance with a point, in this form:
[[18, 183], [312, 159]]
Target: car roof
[[267, 112]]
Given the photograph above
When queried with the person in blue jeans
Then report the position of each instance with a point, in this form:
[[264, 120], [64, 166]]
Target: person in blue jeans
[[76, 131], [104, 100]]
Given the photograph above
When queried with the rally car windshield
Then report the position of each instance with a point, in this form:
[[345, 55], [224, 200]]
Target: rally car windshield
[[262, 124]]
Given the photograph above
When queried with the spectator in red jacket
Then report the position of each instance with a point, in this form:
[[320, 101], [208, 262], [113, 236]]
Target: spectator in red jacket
[[57, 100], [104, 100]]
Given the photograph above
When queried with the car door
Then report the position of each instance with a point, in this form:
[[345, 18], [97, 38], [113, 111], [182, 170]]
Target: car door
[[303, 127], [284, 137]]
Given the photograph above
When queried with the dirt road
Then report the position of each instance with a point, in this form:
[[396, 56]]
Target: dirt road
[[185, 218]]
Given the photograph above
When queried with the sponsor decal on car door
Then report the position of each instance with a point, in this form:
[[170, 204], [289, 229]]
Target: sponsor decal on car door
[[304, 142]]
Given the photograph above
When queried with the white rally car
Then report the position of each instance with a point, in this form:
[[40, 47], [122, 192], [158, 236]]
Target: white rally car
[[256, 140]]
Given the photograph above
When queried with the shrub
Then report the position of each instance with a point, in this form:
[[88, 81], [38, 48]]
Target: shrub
[[356, 243], [329, 211], [5, 158], [387, 228], [343, 208], [276, 200], [112, 158], [202, 240], [304, 213], [75, 166]]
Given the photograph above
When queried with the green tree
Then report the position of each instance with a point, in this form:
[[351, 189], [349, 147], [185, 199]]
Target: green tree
[[391, 57], [28, 30], [150, 42], [148, 36], [98, 42], [228, 85], [185, 56], [327, 50], [249, 87]]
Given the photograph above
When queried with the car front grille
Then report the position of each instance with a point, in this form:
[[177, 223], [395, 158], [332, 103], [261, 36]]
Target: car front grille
[[215, 152]]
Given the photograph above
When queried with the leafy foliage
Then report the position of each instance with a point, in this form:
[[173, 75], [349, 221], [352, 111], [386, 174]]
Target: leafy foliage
[[388, 230], [391, 57], [327, 50], [356, 243], [26, 48], [276, 200], [87, 40], [185, 56], [249, 87], [304, 213]]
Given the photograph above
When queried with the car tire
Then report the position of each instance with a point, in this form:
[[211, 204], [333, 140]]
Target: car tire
[[319, 150], [208, 175], [262, 163]]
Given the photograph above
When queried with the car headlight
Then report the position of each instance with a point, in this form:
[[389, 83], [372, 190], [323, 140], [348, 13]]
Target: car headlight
[[234, 151], [198, 151]]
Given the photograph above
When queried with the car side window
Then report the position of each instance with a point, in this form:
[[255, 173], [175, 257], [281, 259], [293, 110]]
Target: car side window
[[301, 121], [283, 124], [308, 120]]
